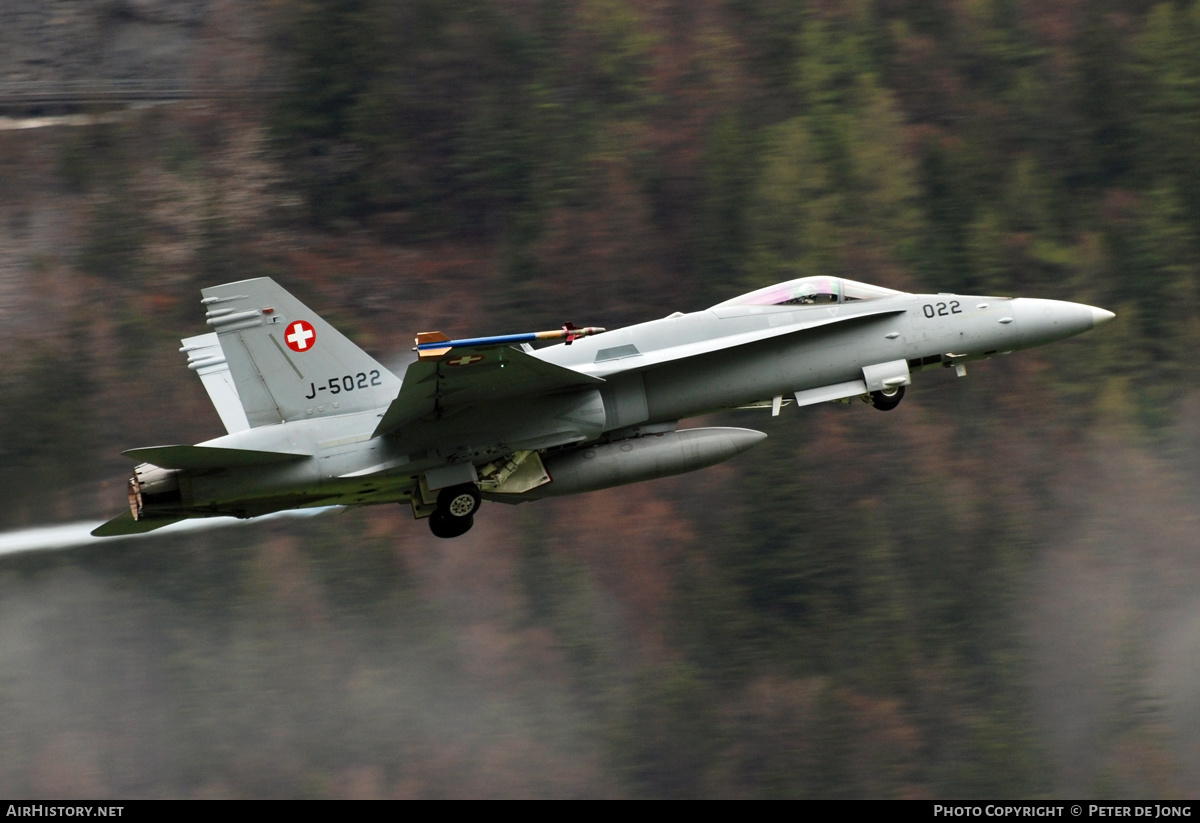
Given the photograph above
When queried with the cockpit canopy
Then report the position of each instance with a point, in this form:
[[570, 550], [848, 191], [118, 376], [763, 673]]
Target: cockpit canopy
[[807, 291]]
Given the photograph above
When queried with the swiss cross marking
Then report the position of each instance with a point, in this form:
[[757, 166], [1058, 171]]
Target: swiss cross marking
[[465, 360], [301, 336]]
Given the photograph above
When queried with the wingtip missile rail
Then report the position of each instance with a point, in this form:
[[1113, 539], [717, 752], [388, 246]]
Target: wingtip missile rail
[[431, 345]]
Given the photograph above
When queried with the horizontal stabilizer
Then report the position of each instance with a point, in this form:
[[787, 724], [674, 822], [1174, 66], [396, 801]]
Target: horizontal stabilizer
[[124, 523], [207, 457]]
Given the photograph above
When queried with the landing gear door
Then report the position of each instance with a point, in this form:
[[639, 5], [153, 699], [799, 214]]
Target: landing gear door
[[886, 377]]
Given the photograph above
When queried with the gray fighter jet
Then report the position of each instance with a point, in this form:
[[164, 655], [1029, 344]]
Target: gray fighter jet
[[315, 421]]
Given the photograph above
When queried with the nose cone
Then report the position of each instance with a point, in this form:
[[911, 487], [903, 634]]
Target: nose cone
[[1043, 321]]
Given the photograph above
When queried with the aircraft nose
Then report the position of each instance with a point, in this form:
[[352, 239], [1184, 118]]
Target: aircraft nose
[[1042, 321], [1100, 316]]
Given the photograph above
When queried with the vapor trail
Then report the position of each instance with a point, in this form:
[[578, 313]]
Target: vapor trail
[[74, 535]]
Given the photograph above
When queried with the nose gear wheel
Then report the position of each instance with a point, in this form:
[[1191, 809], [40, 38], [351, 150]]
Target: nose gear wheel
[[455, 513]]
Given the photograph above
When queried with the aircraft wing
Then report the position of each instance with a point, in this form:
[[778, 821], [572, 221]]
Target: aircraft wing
[[470, 375]]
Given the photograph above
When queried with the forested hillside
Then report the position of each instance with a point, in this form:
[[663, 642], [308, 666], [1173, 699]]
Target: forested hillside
[[992, 591]]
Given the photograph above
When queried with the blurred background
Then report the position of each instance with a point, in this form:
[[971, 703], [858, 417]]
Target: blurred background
[[993, 591]]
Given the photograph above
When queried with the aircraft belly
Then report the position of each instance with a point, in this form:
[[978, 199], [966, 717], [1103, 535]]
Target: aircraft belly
[[247, 493]]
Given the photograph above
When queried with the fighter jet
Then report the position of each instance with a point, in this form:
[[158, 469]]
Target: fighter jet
[[315, 421]]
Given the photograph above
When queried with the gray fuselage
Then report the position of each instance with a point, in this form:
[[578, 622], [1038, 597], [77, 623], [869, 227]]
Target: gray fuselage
[[656, 373]]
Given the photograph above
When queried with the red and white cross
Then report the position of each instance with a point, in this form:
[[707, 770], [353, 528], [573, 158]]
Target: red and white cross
[[301, 336]]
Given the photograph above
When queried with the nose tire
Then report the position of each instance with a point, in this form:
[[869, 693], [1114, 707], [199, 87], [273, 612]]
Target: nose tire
[[455, 512], [444, 526], [458, 502], [885, 402]]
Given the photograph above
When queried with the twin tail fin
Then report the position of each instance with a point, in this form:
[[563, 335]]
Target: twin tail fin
[[285, 361]]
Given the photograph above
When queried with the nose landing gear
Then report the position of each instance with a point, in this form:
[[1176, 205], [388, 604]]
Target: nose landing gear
[[455, 513], [886, 402]]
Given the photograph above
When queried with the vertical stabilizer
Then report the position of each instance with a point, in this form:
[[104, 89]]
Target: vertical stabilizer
[[286, 362], [207, 360]]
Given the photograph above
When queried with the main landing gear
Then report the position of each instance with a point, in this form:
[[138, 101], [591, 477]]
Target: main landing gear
[[455, 513]]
